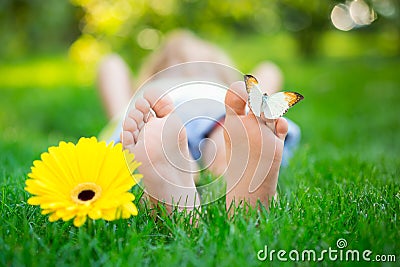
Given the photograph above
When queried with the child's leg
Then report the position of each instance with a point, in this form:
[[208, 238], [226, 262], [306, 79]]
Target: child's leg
[[115, 85]]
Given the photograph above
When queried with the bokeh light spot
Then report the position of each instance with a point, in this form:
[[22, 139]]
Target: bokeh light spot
[[361, 13], [341, 18], [149, 38], [352, 14]]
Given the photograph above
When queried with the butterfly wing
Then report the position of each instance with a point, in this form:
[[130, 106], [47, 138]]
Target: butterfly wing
[[255, 99], [275, 105]]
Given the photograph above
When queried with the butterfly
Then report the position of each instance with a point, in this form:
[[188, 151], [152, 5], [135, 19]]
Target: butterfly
[[273, 106]]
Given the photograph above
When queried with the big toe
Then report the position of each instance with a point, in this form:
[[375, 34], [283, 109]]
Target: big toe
[[235, 99]]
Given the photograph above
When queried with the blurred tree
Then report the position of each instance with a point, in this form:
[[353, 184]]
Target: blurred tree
[[135, 27], [34, 25], [138, 25], [390, 11], [307, 20]]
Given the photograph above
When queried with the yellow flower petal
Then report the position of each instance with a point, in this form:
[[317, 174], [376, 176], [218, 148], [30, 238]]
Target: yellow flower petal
[[53, 217], [34, 200], [79, 221], [95, 214], [111, 214], [45, 212], [137, 178], [129, 209]]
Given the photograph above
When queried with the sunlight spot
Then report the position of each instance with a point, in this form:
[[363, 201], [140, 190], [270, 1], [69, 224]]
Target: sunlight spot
[[149, 38], [361, 13], [341, 18], [162, 7], [351, 15]]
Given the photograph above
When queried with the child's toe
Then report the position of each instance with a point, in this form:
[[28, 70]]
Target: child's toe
[[281, 128]]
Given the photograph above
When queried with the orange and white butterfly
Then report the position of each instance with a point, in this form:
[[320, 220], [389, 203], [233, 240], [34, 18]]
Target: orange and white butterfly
[[273, 106]]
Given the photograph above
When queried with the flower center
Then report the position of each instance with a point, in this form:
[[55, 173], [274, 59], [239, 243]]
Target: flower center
[[85, 193]]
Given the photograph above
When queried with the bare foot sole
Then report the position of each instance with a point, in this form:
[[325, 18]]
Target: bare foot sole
[[158, 140], [253, 151]]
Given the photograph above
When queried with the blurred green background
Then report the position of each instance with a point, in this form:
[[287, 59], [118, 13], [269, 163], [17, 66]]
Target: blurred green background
[[56, 46], [262, 29]]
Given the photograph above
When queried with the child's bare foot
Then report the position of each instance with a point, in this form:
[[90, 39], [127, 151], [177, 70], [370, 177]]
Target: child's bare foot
[[160, 144], [253, 151]]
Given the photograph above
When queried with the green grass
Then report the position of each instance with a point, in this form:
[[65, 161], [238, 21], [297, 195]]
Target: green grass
[[342, 183]]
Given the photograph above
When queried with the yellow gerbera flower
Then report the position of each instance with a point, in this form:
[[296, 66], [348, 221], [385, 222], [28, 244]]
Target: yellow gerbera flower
[[87, 179]]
